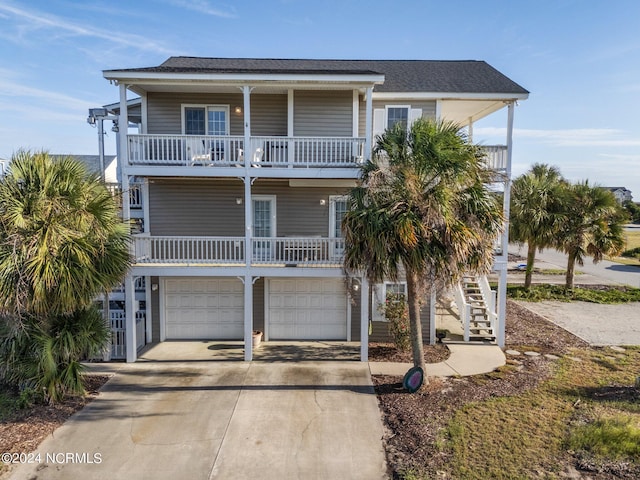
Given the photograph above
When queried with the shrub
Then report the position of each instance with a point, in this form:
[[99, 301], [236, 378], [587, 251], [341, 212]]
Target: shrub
[[632, 253], [44, 356], [396, 311]]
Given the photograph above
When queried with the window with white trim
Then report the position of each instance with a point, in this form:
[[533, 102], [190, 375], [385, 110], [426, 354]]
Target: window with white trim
[[380, 292], [397, 114], [205, 119]]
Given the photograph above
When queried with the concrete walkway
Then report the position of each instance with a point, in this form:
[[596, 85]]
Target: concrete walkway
[[465, 360]]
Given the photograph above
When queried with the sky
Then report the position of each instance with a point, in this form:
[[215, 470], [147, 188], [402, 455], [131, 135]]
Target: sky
[[580, 59]]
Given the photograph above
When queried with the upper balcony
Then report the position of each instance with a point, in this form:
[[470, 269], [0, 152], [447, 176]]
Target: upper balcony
[[185, 155]]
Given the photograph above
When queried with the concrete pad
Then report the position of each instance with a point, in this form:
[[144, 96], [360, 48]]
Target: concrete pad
[[594, 323], [202, 420], [473, 359]]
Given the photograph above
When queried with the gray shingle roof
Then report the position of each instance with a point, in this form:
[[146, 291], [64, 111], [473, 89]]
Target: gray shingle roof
[[446, 76]]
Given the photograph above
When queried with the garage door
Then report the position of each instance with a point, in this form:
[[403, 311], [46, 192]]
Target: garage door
[[307, 309], [204, 308]]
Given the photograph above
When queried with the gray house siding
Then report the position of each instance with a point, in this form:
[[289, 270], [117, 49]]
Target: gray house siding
[[428, 108], [380, 331], [323, 113], [155, 310], [268, 112], [258, 305], [208, 207]]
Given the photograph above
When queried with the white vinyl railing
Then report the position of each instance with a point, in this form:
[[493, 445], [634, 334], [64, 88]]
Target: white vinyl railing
[[496, 157], [298, 250], [489, 297], [307, 152], [464, 310], [148, 249], [230, 250], [135, 193], [229, 150], [186, 150]]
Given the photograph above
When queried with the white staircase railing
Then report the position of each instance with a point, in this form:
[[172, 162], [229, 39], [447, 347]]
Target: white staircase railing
[[464, 310], [489, 296]]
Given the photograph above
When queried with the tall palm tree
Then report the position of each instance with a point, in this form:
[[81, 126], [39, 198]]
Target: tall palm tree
[[422, 210], [61, 245], [535, 211], [61, 240], [592, 226]]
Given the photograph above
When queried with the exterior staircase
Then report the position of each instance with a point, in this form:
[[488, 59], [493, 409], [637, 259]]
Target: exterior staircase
[[476, 305]]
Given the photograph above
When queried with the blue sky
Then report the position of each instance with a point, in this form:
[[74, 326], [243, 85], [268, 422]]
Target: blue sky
[[579, 59]]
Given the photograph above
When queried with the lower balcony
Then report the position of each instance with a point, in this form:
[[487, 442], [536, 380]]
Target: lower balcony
[[230, 251]]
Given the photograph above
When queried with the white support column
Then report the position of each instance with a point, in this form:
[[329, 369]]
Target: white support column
[[368, 124], [248, 318], [148, 310], [471, 129], [123, 123], [144, 195], [130, 314], [432, 316], [290, 125], [248, 151], [502, 280], [355, 113], [364, 319]]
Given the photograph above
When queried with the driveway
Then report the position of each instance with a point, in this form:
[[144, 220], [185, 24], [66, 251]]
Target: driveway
[[222, 420], [594, 323]]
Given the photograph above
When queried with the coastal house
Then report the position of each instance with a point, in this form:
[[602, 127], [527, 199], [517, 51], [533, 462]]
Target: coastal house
[[241, 167]]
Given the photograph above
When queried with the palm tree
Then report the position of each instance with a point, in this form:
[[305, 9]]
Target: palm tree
[[592, 226], [535, 211], [61, 244], [422, 210]]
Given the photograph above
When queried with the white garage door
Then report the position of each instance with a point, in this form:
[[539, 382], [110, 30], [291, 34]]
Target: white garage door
[[307, 309], [204, 308]]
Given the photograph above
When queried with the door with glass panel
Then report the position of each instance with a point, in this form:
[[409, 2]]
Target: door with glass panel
[[338, 205], [264, 227], [212, 120]]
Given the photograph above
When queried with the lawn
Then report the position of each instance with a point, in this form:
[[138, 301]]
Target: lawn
[[632, 240], [538, 417]]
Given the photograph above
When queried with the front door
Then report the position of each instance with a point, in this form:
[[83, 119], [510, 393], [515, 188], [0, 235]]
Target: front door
[[264, 227]]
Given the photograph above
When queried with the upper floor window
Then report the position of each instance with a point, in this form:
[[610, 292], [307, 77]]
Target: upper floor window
[[206, 120]]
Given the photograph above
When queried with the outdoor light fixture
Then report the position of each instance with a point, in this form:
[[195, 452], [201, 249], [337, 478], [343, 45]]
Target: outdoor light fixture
[[239, 201], [238, 110], [323, 201]]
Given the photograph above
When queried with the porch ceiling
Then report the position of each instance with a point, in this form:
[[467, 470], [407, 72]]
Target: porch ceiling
[[461, 111]]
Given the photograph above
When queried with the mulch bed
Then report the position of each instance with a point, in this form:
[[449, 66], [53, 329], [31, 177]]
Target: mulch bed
[[23, 431], [413, 422], [386, 352]]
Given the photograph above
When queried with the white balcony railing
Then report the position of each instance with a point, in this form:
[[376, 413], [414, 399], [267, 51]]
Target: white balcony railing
[[297, 250], [228, 150], [135, 193], [188, 250], [312, 251], [496, 157]]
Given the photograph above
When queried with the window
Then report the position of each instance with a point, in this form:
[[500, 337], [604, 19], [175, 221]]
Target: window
[[397, 115], [380, 292], [338, 205], [206, 120]]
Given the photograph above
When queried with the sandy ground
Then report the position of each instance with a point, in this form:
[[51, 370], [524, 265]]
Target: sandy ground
[[594, 323]]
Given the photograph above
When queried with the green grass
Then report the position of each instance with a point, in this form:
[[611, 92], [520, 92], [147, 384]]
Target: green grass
[[538, 293], [573, 414], [632, 239]]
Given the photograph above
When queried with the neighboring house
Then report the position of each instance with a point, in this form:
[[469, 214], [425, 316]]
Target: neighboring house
[[243, 166], [621, 193], [92, 163]]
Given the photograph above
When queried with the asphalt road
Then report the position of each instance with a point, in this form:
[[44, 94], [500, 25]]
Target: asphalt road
[[609, 272]]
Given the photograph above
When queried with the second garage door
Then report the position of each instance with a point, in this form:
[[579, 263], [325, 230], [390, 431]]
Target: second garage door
[[204, 308], [307, 309]]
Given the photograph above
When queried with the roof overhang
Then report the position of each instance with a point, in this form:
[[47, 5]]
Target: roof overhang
[[141, 82]]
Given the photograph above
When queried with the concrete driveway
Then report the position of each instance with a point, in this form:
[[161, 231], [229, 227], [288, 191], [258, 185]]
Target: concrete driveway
[[222, 420]]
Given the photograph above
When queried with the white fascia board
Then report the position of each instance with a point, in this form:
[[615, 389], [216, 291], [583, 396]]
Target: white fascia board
[[448, 96], [148, 77], [186, 271]]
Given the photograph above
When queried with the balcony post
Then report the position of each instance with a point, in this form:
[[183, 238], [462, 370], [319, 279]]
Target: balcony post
[[364, 319], [248, 150], [368, 145], [502, 280], [123, 123], [130, 318]]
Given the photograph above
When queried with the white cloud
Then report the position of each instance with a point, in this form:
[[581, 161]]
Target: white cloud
[[57, 24], [574, 137], [13, 89], [202, 6]]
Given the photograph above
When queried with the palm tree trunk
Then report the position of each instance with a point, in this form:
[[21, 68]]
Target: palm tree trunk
[[531, 256], [570, 268], [413, 299]]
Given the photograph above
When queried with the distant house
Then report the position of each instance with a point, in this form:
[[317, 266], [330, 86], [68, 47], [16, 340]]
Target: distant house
[[92, 162], [621, 193]]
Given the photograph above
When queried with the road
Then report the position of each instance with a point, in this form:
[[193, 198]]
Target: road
[[606, 270]]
